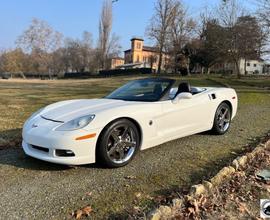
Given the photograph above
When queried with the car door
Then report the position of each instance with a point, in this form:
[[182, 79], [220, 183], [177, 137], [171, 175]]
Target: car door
[[188, 116]]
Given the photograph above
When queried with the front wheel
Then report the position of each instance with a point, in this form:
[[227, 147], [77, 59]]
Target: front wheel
[[222, 120], [118, 143]]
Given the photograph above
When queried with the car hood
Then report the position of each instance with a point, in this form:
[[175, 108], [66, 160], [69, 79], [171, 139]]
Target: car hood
[[68, 110]]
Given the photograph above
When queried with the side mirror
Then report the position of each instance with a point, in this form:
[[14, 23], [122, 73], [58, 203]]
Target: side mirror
[[183, 95]]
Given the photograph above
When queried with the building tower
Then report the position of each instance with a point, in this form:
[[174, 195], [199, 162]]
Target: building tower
[[137, 49]]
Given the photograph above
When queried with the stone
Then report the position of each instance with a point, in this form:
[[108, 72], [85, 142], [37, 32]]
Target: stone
[[197, 190], [242, 161], [257, 150], [155, 215], [267, 144], [222, 175], [177, 202], [165, 211], [235, 164], [208, 185]]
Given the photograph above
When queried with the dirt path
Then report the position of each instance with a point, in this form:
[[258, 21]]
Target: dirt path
[[31, 189]]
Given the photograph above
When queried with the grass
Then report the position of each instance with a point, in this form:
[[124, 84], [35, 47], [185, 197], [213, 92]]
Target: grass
[[19, 99]]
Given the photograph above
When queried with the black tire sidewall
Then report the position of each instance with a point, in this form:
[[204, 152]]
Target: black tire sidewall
[[102, 142], [216, 128]]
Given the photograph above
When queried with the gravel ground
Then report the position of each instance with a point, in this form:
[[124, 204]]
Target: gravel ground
[[31, 189]]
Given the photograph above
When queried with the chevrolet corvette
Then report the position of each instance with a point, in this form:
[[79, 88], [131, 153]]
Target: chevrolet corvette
[[139, 115]]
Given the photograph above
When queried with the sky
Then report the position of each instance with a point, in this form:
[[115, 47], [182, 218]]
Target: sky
[[72, 17]]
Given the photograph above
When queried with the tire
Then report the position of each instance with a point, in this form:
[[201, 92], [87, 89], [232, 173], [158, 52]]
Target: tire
[[118, 143], [222, 120]]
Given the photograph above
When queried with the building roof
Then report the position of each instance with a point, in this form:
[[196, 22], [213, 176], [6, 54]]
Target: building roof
[[151, 49], [137, 38], [146, 48], [118, 58]]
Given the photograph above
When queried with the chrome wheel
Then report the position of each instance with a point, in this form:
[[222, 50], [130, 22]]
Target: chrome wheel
[[121, 144], [223, 118]]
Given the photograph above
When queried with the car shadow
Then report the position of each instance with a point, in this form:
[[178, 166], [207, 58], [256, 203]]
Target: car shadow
[[12, 154]]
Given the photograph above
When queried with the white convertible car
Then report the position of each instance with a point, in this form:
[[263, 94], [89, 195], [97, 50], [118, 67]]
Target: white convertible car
[[142, 114]]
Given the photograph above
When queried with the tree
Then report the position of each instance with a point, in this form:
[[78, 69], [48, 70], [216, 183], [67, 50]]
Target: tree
[[39, 39], [78, 55], [39, 36], [14, 61], [228, 13], [158, 29], [105, 27], [181, 31], [213, 44], [250, 38], [264, 11], [108, 44]]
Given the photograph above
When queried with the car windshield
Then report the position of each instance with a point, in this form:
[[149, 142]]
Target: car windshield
[[146, 90]]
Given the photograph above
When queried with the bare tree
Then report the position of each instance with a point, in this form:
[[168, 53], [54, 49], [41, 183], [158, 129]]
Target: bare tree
[[228, 13], [181, 31], [105, 28], [264, 11], [39, 39], [78, 55], [160, 22], [39, 36]]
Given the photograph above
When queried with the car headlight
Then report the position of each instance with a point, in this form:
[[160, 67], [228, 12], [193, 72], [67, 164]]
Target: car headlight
[[76, 124]]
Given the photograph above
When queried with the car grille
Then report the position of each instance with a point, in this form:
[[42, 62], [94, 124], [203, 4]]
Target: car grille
[[43, 149]]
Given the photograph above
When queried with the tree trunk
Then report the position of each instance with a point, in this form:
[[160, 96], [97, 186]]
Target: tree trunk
[[187, 66], [160, 61], [22, 75], [202, 70], [175, 62], [245, 66], [237, 68]]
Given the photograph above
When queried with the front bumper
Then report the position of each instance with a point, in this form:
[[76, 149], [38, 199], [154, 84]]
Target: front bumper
[[43, 143]]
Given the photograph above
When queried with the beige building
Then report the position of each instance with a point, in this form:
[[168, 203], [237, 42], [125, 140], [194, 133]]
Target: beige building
[[116, 62], [139, 56]]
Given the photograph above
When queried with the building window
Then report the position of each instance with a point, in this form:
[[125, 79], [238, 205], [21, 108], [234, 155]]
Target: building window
[[255, 65], [138, 46], [248, 64], [138, 59]]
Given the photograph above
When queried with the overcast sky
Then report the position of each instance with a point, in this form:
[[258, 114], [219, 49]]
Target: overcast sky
[[72, 17]]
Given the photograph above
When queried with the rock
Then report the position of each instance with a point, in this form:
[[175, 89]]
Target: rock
[[235, 164], [155, 215], [242, 161], [207, 185], [250, 156], [197, 190], [165, 211], [177, 202], [222, 175], [267, 144], [257, 150]]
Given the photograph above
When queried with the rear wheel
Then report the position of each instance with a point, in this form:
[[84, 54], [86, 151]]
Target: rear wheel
[[222, 120], [118, 143]]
